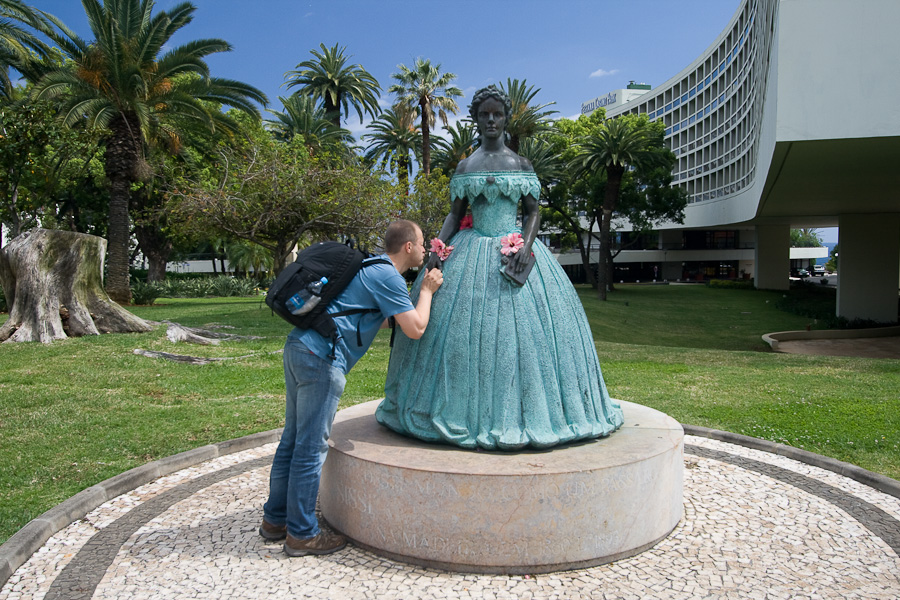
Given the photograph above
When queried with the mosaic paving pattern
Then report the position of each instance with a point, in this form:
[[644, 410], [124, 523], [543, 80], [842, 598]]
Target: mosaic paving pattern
[[756, 525]]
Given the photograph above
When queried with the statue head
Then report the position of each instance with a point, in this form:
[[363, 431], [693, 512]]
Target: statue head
[[491, 91]]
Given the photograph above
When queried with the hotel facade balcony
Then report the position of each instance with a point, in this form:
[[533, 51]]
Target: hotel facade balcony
[[790, 119]]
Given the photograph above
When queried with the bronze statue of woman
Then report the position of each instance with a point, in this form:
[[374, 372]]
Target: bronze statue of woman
[[508, 360]]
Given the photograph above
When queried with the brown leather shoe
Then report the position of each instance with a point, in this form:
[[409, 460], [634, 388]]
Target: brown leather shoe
[[324, 543], [272, 532]]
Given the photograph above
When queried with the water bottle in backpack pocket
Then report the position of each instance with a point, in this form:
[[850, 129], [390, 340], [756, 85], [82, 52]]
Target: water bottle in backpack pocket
[[307, 298]]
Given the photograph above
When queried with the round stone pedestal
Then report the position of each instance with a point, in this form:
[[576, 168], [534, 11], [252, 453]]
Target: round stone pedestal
[[504, 512]]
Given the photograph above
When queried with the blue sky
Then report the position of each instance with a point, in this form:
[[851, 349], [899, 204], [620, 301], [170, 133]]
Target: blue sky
[[572, 50]]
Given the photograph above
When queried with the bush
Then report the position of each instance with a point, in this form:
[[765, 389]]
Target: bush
[[141, 274], [196, 288], [144, 294], [232, 286], [731, 284], [246, 287], [221, 286]]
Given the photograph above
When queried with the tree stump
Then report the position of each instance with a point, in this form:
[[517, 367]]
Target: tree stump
[[53, 282]]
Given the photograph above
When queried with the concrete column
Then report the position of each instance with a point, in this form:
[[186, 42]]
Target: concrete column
[[772, 257], [670, 239], [671, 243], [868, 267]]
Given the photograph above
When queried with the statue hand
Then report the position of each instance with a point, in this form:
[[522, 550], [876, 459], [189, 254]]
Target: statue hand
[[520, 260], [434, 262]]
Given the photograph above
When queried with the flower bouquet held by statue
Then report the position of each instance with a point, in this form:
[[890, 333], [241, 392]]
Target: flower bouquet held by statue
[[441, 249], [516, 270]]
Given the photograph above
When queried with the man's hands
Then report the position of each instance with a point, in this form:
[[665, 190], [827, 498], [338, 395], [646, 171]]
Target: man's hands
[[433, 279], [414, 322]]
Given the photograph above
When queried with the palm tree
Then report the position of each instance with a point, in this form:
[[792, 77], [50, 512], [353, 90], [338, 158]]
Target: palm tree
[[525, 121], [614, 147], [246, 257], [427, 90], [547, 163], [328, 78], [552, 171], [18, 44], [396, 137], [463, 141], [123, 85], [302, 117]]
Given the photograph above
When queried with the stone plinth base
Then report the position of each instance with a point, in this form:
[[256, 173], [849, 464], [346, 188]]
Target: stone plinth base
[[496, 512]]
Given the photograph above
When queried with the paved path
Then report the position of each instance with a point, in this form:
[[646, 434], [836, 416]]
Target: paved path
[[757, 524], [885, 347], [863, 343]]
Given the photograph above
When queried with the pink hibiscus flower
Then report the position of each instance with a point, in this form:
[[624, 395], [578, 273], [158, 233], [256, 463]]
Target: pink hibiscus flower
[[440, 248], [510, 244]]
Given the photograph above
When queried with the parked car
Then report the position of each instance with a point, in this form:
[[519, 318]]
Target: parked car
[[801, 273], [818, 270]]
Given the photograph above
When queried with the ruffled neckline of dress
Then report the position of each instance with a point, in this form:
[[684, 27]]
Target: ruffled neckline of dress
[[512, 185]]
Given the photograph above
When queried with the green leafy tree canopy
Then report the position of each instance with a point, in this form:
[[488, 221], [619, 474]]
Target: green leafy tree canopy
[[130, 83]]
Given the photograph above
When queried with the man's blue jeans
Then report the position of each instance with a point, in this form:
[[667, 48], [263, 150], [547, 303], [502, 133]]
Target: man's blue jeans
[[314, 388]]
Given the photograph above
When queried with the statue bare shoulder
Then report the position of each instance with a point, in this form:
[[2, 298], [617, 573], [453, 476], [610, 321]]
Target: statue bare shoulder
[[525, 165], [505, 160]]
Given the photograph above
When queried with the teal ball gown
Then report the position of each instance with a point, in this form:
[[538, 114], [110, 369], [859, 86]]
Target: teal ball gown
[[500, 367]]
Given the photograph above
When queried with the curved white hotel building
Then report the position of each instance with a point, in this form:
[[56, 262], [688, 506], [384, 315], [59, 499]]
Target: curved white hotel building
[[790, 118]]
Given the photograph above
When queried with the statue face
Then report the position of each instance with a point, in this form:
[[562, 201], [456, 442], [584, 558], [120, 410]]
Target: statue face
[[491, 118]]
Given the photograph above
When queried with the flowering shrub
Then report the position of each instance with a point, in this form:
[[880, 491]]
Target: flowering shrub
[[510, 244], [441, 249]]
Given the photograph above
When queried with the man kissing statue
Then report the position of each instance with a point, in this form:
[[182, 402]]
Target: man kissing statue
[[314, 384]]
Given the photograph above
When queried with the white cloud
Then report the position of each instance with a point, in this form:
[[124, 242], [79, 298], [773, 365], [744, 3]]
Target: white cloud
[[604, 72], [356, 128]]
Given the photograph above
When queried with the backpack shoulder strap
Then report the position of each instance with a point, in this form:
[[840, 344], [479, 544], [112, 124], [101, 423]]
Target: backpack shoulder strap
[[374, 260]]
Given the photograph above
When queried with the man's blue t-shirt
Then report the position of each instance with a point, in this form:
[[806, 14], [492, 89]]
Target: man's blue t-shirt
[[377, 286]]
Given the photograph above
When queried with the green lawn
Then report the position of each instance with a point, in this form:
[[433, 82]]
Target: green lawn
[[76, 412]]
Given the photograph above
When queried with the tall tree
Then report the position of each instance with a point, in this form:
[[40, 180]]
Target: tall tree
[[429, 202], [525, 120], [18, 45], [561, 208], [431, 94], [832, 264], [276, 194], [47, 171], [246, 257], [338, 85], [395, 138], [611, 148], [26, 131], [131, 84], [462, 143], [805, 237], [302, 117]]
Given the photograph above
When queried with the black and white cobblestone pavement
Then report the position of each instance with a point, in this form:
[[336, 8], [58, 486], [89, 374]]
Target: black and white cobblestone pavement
[[758, 524]]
